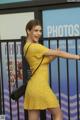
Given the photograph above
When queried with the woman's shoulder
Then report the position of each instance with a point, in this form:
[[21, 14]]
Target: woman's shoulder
[[37, 45], [26, 45], [34, 46]]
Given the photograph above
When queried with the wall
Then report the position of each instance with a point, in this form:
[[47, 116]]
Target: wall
[[12, 26]]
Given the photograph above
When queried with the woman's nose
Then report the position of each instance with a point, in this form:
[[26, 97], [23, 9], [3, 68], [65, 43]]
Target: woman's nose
[[39, 33]]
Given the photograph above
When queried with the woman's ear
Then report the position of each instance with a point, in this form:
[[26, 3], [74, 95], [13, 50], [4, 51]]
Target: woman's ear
[[28, 31]]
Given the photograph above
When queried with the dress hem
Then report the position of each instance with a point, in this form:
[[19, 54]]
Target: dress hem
[[42, 108]]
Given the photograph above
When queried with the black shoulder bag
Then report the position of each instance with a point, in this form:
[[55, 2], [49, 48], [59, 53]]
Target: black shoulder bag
[[16, 94]]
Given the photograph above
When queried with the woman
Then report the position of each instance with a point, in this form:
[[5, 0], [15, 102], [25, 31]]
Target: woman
[[38, 95]]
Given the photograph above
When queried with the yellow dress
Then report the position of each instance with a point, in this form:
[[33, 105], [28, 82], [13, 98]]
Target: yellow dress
[[38, 93]]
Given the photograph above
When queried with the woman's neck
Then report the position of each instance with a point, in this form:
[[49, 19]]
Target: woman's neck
[[29, 40]]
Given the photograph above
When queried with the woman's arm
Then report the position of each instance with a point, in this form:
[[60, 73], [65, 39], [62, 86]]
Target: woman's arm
[[52, 57], [59, 53]]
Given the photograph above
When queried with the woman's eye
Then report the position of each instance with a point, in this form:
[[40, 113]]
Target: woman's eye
[[36, 30]]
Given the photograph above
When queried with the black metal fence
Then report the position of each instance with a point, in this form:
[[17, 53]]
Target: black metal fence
[[11, 78], [64, 78]]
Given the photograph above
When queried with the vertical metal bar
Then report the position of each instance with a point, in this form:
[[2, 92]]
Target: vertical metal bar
[[68, 82], [59, 76], [49, 66], [77, 88], [2, 85], [26, 114], [38, 14], [0, 82], [23, 62], [22, 45], [9, 79], [50, 71], [42, 112], [0, 90], [16, 75], [42, 115]]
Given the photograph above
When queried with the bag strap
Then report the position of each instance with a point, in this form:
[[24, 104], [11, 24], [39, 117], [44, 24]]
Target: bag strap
[[37, 66], [39, 63], [27, 49]]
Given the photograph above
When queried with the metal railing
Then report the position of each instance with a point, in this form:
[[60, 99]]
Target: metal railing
[[63, 73], [64, 76], [11, 78]]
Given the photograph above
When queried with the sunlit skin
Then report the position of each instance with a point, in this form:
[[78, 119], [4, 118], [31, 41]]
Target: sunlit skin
[[34, 34]]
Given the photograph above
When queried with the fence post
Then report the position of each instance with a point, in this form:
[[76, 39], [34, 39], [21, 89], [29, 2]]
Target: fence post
[[0, 95], [0, 82]]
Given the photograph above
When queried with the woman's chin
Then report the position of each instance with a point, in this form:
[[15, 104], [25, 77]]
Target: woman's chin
[[36, 40]]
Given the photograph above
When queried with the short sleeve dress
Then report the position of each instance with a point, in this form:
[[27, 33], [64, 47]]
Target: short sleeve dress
[[38, 94]]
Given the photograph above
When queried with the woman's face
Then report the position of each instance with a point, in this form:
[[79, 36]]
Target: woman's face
[[35, 33]]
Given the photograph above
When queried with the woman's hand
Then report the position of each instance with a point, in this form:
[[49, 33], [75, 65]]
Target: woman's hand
[[79, 57]]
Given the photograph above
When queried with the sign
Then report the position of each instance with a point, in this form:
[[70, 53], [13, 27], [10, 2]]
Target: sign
[[61, 22]]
